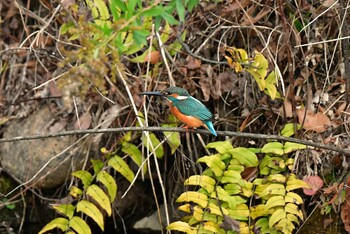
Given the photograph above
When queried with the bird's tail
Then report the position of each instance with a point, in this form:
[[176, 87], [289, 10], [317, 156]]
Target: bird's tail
[[210, 127]]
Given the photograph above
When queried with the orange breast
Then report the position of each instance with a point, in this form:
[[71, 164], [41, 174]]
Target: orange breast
[[188, 120]]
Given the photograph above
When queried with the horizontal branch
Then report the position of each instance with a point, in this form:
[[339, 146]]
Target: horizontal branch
[[161, 129]]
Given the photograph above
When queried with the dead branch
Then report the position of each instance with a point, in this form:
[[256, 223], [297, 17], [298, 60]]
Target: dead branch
[[161, 129]]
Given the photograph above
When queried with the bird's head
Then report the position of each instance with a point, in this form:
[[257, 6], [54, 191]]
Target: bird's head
[[172, 93]]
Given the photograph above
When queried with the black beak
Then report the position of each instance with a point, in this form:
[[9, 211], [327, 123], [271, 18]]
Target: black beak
[[155, 93]]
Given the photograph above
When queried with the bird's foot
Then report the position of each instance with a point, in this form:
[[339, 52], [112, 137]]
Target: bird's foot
[[188, 128]]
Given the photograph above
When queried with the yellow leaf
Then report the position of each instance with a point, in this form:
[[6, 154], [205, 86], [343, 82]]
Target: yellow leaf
[[65, 209], [100, 197], [214, 163], [275, 201], [182, 227], [273, 189], [279, 178], [185, 208], [195, 197], [153, 144], [241, 212], [245, 156], [108, 181], [79, 225], [293, 209], [120, 166], [84, 176], [293, 183], [274, 148], [293, 198], [220, 146], [92, 211], [211, 226], [291, 146], [232, 177], [75, 192], [60, 223], [201, 180], [276, 216], [258, 211]]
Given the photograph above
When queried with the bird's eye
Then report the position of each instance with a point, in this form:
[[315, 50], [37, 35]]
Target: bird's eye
[[168, 93]]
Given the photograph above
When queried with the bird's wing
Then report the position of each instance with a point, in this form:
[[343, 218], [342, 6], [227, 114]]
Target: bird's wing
[[193, 107]]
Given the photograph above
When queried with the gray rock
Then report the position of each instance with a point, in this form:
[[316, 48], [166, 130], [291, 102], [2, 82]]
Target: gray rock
[[24, 159]]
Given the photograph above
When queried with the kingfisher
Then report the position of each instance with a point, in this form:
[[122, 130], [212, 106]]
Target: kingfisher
[[186, 108]]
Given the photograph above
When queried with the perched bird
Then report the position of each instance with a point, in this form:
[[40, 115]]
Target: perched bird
[[186, 108]]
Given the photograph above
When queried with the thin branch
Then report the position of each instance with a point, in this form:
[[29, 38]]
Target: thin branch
[[161, 129]]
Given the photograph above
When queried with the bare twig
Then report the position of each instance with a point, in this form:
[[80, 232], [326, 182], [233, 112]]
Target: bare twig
[[161, 129]]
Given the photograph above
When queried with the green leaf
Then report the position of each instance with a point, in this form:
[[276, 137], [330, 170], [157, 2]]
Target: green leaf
[[232, 177], [65, 209], [120, 166], [97, 165], [180, 10], [79, 225], [84, 176], [154, 143], [191, 4], [288, 129], [134, 153], [100, 197], [274, 148], [173, 138], [113, 7], [131, 4], [223, 195], [92, 211], [233, 189], [108, 181], [140, 37], [220, 146], [182, 227], [245, 156], [201, 180], [291, 146], [195, 197], [66, 27], [169, 18], [153, 12], [60, 223], [214, 163], [119, 4]]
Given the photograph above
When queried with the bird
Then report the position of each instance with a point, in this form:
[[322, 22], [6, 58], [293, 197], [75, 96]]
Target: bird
[[186, 108]]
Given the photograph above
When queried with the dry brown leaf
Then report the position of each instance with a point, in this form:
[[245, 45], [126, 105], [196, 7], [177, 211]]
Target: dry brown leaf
[[84, 121], [205, 87], [315, 183], [153, 57], [317, 122], [193, 63], [288, 109], [345, 208], [340, 109], [58, 126]]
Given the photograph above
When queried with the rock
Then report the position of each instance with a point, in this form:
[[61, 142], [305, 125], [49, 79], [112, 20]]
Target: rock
[[152, 222], [24, 159]]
